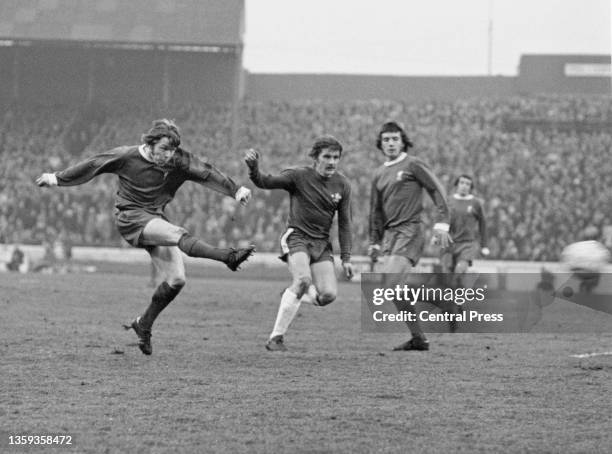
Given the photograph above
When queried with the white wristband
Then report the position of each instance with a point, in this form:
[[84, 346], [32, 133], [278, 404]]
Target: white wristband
[[52, 179], [442, 226]]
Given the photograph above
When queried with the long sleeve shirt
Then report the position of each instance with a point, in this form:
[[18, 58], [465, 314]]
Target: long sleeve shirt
[[313, 202], [144, 184], [467, 219], [396, 195]]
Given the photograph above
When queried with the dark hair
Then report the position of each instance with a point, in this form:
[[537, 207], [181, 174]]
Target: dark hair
[[160, 129], [392, 126], [466, 176], [324, 142]]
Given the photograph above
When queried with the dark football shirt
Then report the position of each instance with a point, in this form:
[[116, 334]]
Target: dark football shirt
[[396, 196], [467, 219], [313, 202], [144, 184]]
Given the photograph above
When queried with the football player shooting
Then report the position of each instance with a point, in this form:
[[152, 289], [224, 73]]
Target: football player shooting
[[149, 176], [316, 194], [467, 229], [395, 216]]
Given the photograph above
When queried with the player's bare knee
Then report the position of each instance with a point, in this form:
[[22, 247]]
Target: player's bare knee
[[177, 281], [301, 285], [326, 297]]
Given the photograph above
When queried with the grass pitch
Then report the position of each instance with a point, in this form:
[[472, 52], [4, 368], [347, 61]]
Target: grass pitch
[[69, 368]]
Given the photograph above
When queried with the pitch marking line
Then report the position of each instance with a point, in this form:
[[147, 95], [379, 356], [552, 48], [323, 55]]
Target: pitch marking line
[[590, 355]]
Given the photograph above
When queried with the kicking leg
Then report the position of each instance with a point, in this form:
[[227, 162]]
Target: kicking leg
[[162, 233], [299, 267]]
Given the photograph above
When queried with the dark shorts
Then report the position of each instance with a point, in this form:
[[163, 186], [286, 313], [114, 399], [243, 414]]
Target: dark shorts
[[405, 240], [294, 241], [456, 252], [131, 223]]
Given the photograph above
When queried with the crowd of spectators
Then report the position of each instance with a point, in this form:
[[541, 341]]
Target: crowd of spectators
[[541, 186]]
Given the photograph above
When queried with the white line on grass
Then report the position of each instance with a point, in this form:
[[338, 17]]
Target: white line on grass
[[590, 355]]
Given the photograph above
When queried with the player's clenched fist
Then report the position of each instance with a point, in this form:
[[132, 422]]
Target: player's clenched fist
[[47, 179], [251, 157]]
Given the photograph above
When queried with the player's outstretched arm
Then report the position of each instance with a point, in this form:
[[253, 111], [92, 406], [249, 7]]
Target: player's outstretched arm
[[206, 174], [282, 181], [84, 171]]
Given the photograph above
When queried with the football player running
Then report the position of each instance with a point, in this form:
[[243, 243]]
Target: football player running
[[395, 217], [149, 176], [316, 193]]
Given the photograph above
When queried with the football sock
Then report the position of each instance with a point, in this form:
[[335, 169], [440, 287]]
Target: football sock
[[289, 306], [163, 295], [194, 247]]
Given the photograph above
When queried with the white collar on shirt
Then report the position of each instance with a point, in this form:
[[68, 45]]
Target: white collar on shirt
[[400, 158], [143, 153], [463, 197]]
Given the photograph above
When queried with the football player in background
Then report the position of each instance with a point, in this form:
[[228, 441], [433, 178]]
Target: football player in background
[[586, 259], [149, 176], [395, 217], [467, 229], [316, 193]]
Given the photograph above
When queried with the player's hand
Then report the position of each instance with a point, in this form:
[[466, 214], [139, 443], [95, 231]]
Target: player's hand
[[374, 252], [251, 157], [441, 237], [46, 180], [243, 195], [347, 267], [485, 251]]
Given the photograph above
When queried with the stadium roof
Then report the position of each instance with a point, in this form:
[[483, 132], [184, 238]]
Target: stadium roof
[[200, 22]]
